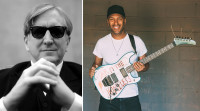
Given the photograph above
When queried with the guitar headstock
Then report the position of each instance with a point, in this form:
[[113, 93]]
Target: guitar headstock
[[181, 40]]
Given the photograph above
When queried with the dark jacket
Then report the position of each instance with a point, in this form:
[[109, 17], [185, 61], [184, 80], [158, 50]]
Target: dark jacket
[[34, 100]]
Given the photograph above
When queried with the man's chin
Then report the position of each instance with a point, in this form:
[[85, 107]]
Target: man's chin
[[117, 32]]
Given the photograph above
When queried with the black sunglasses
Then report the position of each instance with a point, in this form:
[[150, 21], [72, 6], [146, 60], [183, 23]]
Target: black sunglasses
[[38, 32]]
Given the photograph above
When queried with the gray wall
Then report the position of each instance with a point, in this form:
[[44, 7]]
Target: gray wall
[[12, 16], [173, 81]]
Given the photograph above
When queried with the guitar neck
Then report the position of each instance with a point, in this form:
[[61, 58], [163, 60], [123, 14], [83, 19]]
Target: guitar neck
[[157, 53], [153, 56]]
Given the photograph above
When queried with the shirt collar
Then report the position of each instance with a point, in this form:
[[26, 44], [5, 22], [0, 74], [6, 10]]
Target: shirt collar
[[58, 67]]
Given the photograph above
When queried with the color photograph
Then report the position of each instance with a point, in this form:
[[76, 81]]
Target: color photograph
[[141, 55]]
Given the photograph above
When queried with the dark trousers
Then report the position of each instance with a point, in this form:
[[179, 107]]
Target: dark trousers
[[120, 104]]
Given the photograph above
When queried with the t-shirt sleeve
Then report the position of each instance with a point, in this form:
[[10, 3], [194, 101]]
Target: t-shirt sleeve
[[140, 46], [98, 49]]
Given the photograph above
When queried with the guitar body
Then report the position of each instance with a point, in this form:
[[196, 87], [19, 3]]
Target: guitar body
[[111, 79]]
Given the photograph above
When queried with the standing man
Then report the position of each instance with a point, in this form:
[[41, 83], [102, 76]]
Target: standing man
[[46, 83], [109, 50]]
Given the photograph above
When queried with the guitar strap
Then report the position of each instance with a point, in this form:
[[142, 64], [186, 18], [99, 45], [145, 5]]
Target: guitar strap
[[132, 42]]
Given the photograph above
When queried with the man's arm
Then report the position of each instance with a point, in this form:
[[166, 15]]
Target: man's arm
[[138, 66], [64, 96], [76, 105], [97, 63], [41, 72]]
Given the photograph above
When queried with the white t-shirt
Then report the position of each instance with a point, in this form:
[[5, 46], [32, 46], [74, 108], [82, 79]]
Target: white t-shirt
[[111, 50]]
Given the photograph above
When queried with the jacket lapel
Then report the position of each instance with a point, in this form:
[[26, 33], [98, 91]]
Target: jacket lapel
[[72, 77]]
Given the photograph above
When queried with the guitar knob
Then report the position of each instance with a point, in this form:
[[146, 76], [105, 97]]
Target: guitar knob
[[113, 93], [117, 85], [116, 89]]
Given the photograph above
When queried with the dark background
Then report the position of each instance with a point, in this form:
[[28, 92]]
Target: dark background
[[12, 16], [173, 81]]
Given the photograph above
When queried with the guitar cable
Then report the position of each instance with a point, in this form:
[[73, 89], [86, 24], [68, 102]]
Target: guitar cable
[[110, 94]]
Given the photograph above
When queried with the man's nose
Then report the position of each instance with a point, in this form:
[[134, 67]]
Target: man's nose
[[116, 22], [48, 39]]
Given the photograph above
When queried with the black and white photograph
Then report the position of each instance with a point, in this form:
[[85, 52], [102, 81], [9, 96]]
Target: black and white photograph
[[41, 55]]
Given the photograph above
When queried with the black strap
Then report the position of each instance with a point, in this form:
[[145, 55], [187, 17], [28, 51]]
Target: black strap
[[132, 42]]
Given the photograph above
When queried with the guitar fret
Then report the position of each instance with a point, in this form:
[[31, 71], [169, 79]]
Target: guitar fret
[[143, 60], [157, 53], [129, 69]]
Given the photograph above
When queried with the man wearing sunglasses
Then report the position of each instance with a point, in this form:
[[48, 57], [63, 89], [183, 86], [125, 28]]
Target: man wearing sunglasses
[[46, 83]]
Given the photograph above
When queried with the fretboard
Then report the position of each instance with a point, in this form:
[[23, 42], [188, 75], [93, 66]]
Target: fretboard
[[152, 56]]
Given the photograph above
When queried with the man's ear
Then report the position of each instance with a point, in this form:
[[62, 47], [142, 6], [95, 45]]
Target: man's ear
[[124, 21], [26, 43], [68, 41]]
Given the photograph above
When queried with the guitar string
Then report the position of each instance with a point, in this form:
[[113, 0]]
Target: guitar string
[[119, 47]]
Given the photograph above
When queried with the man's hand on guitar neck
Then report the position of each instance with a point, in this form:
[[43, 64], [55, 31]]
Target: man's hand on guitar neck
[[138, 66], [92, 70]]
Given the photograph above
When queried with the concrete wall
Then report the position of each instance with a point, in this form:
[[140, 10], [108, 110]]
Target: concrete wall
[[12, 16], [173, 81]]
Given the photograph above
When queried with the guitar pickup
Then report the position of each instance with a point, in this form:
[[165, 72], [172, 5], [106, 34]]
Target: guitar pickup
[[123, 72], [114, 77], [107, 81]]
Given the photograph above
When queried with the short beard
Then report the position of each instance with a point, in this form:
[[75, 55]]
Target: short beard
[[117, 34]]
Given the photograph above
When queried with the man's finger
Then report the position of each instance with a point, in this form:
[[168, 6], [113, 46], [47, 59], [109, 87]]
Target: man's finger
[[45, 62], [93, 68], [141, 63], [136, 66], [36, 68], [43, 80], [46, 75]]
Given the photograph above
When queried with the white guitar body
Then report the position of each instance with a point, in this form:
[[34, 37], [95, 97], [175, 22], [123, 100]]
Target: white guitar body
[[111, 79]]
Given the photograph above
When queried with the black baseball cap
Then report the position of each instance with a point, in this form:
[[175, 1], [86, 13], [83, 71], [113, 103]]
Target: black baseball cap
[[116, 9]]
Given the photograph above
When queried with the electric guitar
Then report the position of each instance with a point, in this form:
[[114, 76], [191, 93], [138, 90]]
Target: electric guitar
[[111, 79]]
